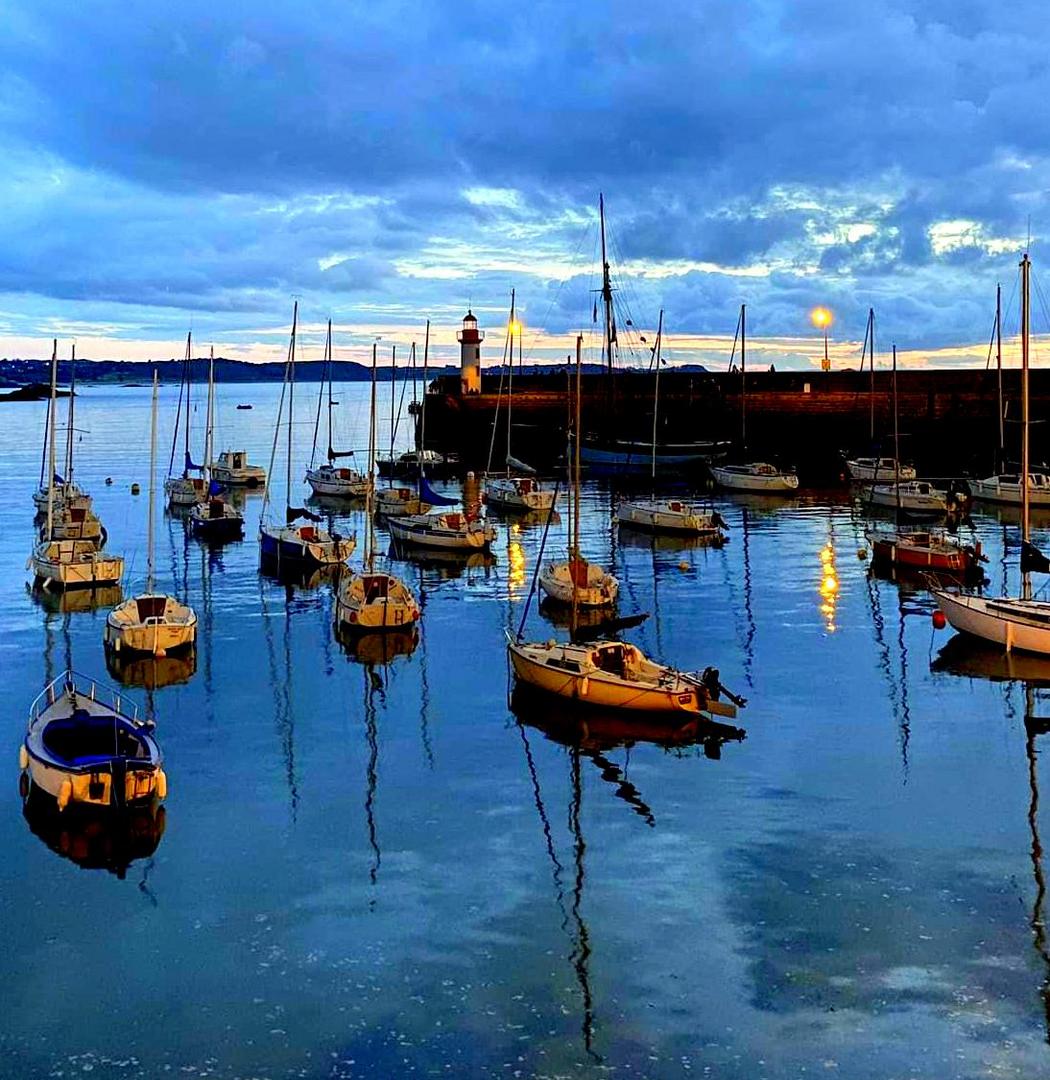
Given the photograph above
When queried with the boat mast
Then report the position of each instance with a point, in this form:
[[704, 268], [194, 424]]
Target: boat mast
[[186, 458], [574, 556], [607, 304], [210, 422], [291, 397], [743, 375], [51, 442], [1026, 270], [393, 394], [896, 438], [369, 536], [152, 488], [999, 368], [328, 361], [423, 400], [69, 421], [870, 337], [510, 375], [656, 387]]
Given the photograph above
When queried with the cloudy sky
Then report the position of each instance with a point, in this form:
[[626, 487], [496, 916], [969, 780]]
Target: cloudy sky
[[199, 164]]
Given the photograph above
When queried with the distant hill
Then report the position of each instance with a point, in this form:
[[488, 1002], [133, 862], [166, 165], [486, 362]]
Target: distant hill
[[14, 372]]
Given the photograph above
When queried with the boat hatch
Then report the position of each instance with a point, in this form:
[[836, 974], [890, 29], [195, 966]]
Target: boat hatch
[[151, 607], [565, 665], [611, 659], [216, 508], [307, 533], [84, 739], [451, 521], [375, 587], [676, 507]]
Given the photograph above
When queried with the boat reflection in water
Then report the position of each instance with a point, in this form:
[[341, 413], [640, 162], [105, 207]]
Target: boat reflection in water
[[70, 601], [590, 734], [972, 658], [378, 648], [340, 506], [520, 519], [151, 672], [561, 616], [97, 840], [447, 564], [298, 575], [647, 541]]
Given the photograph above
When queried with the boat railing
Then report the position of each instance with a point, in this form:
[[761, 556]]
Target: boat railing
[[107, 696]]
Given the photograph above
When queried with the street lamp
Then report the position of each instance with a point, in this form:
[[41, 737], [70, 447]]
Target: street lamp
[[822, 319]]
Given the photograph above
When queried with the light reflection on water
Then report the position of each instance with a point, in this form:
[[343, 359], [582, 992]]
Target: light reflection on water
[[368, 855]]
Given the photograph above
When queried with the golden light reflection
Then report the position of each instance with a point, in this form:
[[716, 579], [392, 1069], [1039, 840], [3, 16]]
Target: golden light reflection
[[514, 327], [821, 317], [516, 572], [829, 586]]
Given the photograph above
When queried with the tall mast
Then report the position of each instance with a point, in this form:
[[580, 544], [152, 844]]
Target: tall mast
[[152, 488], [510, 375], [291, 397], [871, 345], [607, 305], [186, 367], [44, 441], [51, 443], [369, 538], [999, 367], [896, 435], [69, 420], [210, 429], [423, 400], [328, 361], [1026, 270], [656, 387], [743, 375], [393, 394], [574, 556]]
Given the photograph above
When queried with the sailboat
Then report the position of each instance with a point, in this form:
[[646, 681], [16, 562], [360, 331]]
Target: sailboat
[[918, 549], [678, 516], [69, 563], [374, 600], [327, 479], [184, 490], [1014, 622], [577, 581], [288, 543], [519, 490], [86, 746], [611, 451], [213, 518], [754, 477], [152, 623], [66, 494]]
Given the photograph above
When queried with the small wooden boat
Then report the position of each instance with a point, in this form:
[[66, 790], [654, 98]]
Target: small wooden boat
[[374, 600], [446, 531], [212, 518], [151, 623], [671, 516], [66, 496], [1006, 488], [757, 476], [593, 586], [615, 675], [85, 745], [878, 470], [518, 493], [394, 502], [233, 469], [327, 479]]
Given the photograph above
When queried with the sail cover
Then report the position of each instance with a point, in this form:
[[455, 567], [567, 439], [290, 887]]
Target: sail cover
[[519, 466], [428, 494], [190, 467], [1033, 560], [295, 512], [215, 488], [333, 454]]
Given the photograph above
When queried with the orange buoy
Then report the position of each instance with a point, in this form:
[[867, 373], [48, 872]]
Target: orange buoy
[[939, 621]]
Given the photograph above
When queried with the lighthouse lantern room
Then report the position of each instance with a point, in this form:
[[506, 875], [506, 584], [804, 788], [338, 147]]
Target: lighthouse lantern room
[[470, 339]]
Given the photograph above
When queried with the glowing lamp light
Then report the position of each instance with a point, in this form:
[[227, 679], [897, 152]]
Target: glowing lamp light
[[821, 318]]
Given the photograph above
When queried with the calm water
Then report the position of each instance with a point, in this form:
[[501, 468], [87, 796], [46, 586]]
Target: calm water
[[375, 870]]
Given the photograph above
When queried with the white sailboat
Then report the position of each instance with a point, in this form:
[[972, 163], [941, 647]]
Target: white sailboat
[[1022, 622], [184, 490], [869, 470], [374, 600], [518, 490], [66, 494], [753, 477], [679, 517], [213, 518], [68, 564], [328, 479], [284, 543], [577, 581], [151, 623]]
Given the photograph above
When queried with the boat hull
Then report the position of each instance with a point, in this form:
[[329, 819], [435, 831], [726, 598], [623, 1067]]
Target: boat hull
[[415, 532], [659, 519], [332, 485], [1008, 494], [640, 459], [60, 565], [151, 626], [922, 557], [556, 582], [288, 546], [777, 484], [987, 618]]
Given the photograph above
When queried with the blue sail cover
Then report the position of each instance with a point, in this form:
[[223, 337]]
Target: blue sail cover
[[59, 480], [215, 488], [428, 494], [190, 467]]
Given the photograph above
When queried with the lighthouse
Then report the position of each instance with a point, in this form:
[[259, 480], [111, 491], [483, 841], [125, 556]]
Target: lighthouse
[[470, 339]]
